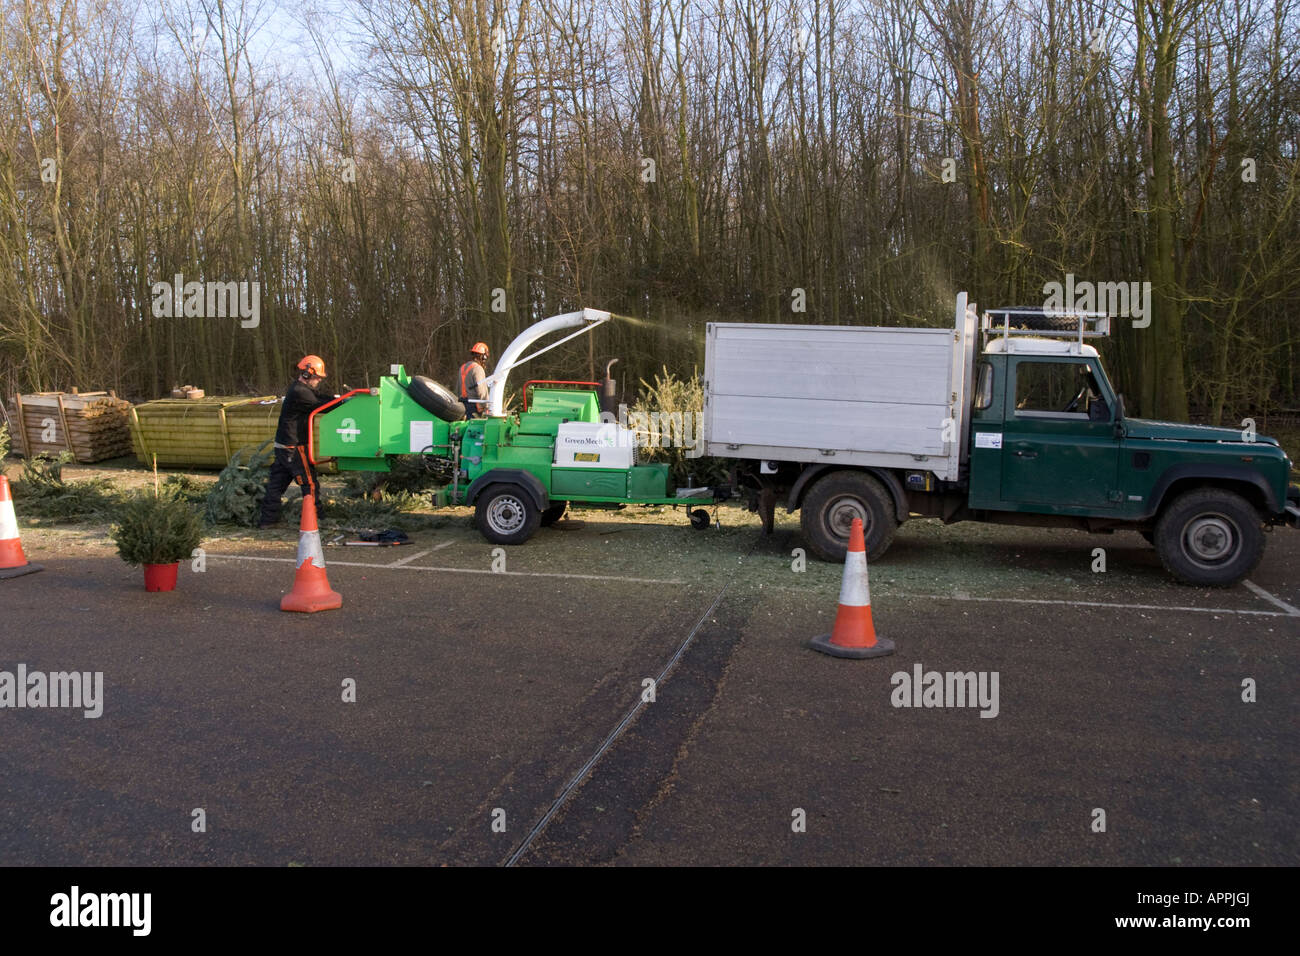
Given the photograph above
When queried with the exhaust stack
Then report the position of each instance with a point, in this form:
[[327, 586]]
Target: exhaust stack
[[609, 392]]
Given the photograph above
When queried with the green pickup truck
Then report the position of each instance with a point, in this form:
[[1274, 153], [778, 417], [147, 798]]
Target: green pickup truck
[[886, 423]]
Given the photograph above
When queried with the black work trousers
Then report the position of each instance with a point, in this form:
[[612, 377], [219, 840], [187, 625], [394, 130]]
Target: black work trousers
[[290, 465]]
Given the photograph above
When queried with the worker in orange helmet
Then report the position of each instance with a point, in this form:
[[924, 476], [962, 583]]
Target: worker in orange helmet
[[473, 382], [291, 460]]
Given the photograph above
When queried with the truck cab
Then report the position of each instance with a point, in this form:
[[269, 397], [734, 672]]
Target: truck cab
[[1049, 437], [1043, 430]]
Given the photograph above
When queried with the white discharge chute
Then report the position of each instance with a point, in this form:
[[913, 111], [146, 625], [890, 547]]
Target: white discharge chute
[[588, 319]]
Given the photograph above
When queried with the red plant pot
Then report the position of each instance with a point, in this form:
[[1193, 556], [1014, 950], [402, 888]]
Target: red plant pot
[[160, 577]]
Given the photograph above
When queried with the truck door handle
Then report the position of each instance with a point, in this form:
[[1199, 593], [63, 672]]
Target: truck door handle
[[1025, 454]]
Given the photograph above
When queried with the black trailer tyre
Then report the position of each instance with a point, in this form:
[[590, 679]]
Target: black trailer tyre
[[554, 513], [832, 503], [700, 519], [1210, 537], [505, 514], [435, 399]]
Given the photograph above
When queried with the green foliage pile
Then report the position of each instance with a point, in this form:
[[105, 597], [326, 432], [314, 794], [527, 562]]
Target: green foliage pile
[[41, 492], [408, 474], [43, 475], [388, 511], [186, 488], [236, 498], [156, 529], [4, 439], [668, 393]]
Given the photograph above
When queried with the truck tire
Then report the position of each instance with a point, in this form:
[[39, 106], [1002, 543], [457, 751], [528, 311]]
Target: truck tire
[[505, 514], [554, 513], [833, 502], [1210, 537], [435, 399]]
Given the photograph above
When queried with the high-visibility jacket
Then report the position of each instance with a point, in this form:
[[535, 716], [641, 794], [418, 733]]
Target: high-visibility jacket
[[473, 387]]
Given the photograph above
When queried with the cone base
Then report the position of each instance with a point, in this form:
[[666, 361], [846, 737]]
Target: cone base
[[329, 601], [883, 646], [11, 555], [20, 571]]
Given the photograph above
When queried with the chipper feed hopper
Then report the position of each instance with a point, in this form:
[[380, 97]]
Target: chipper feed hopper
[[517, 470]]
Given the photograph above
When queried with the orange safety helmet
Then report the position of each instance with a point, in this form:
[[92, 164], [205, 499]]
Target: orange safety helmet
[[312, 363], [479, 348]]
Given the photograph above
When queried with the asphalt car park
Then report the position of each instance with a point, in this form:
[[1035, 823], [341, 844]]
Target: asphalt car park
[[628, 692]]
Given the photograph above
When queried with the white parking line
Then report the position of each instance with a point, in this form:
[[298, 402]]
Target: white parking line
[[911, 595], [1291, 611], [408, 567], [407, 560], [1132, 607]]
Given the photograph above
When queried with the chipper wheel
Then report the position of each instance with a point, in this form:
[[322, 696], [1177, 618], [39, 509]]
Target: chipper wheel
[[506, 514]]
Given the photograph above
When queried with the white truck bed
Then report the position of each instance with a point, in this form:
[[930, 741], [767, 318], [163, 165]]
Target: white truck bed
[[838, 394]]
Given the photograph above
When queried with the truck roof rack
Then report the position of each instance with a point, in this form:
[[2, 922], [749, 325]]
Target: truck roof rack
[[1046, 323]]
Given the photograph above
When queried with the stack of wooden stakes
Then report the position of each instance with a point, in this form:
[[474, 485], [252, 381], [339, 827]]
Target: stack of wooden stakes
[[92, 425], [204, 433]]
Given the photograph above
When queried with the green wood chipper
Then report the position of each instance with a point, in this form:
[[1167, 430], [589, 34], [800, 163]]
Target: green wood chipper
[[519, 470]]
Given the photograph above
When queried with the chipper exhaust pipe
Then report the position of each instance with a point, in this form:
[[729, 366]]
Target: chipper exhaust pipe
[[609, 391]]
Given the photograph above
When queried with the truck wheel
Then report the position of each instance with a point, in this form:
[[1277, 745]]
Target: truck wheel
[[506, 514], [1210, 537], [554, 513], [831, 505], [435, 399]]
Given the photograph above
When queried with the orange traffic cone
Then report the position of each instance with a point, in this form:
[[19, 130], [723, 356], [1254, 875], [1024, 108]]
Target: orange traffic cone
[[854, 634], [311, 588], [12, 560]]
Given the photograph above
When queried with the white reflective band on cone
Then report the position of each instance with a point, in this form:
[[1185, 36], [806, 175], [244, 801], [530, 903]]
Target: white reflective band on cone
[[8, 521], [309, 550], [854, 591]]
